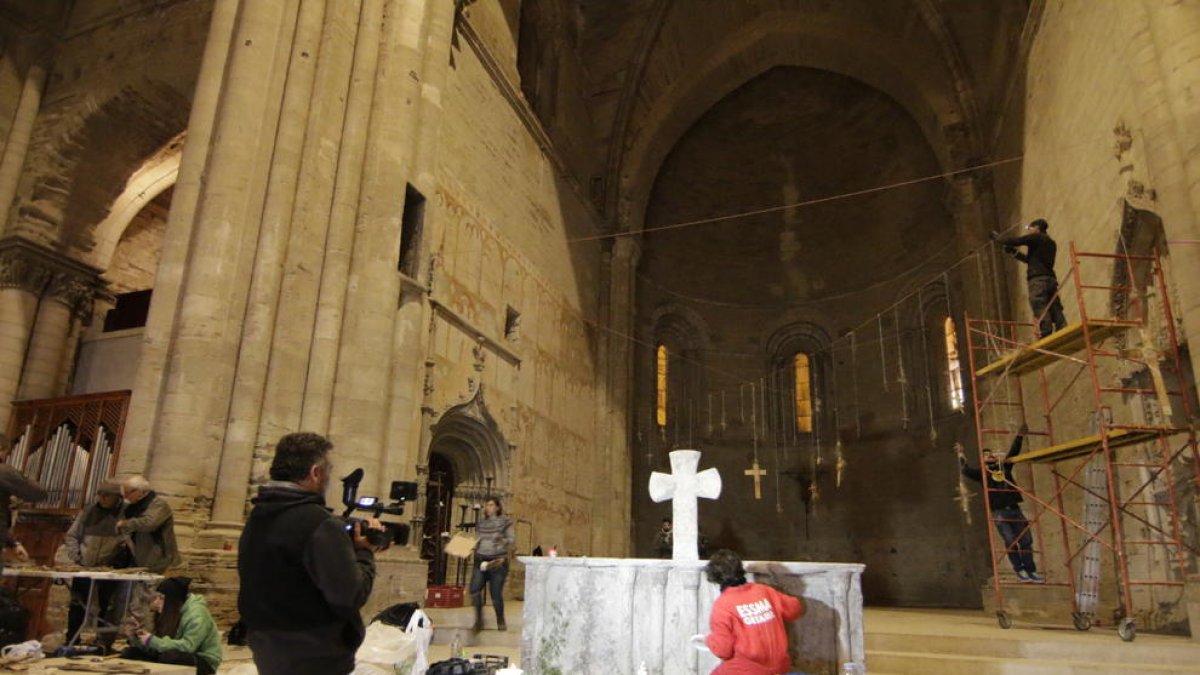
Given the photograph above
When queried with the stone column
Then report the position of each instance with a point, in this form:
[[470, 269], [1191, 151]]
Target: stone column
[[410, 416], [359, 418], [200, 358], [295, 148], [157, 338], [44, 298], [970, 202], [16, 146], [624, 258]]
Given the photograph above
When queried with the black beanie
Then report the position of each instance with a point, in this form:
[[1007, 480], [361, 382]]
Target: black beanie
[[175, 588]]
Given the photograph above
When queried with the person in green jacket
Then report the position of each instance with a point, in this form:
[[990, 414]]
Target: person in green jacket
[[185, 633]]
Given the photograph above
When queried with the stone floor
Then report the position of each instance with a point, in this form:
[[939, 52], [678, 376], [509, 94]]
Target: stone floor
[[924, 642]]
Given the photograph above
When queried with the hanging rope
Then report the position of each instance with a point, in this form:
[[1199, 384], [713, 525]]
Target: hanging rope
[[882, 354], [708, 427], [854, 381], [901, 376], [928, 373]]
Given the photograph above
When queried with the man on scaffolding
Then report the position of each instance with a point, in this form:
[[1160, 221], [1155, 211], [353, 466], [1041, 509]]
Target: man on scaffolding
[[1004, 501], [1039, 274]]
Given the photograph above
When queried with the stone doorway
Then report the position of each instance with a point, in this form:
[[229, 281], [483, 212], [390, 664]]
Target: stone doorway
[[438, 511], [468, 461]]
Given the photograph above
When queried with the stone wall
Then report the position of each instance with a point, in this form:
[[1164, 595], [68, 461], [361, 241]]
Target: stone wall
[[506, 215], [1109, 146]]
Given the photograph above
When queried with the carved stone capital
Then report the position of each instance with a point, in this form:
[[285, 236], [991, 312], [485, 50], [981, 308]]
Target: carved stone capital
[[49, 274]]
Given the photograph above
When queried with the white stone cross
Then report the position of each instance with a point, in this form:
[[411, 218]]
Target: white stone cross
[[757, 473], [683, 486]]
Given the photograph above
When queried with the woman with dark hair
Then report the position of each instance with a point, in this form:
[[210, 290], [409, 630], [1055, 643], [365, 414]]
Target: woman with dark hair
[[184, 631], [746, 628], [496, 543]]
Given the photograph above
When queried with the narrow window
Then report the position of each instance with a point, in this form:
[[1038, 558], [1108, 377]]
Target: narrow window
[[411, 224], [660, 406], [953, 366], [512, 324], [803, 381]]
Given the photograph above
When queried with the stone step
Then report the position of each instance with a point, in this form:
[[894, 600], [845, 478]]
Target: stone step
[[461, 620], [924, 663], [1033, 644]]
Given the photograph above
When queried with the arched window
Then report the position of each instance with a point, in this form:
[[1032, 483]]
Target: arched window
[[660, 386], [953, 365], [803, 382]]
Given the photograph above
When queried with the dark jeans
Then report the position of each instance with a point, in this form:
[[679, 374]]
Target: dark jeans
[[110, 605], [1017, 536], [172, 656], [494, 578], [1047, 307]]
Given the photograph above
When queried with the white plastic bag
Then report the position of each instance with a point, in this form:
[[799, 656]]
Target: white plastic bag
[[421, 629], [389, 649]]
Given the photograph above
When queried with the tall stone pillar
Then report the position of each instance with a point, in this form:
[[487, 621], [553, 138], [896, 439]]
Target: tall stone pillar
[[304, 133], [183, 412], [359, 417], [410, 417], [624, 258], [16, 146], [972, 204]]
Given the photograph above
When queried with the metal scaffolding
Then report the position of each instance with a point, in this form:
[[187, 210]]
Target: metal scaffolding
[[1112, 481]]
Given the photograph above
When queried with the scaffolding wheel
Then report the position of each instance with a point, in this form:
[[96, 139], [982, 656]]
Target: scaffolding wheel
[[1127, 629], [1083, 620], [1004, 619]]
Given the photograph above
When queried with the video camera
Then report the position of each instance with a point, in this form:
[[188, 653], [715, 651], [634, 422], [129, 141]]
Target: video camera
[[393, 533]]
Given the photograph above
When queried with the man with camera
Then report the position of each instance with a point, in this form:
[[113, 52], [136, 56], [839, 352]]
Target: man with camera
[[303, 576]]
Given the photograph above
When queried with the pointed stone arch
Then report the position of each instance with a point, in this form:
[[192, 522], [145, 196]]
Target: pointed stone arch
[[468, 436]]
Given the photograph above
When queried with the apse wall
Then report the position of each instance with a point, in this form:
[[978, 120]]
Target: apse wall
[[857, 284]]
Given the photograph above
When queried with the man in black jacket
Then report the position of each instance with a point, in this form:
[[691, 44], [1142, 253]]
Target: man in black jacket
[[303, 577], [1039, 275], [1004, 501]]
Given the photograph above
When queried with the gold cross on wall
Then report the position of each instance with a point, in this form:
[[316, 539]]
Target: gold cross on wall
[[757, 473]]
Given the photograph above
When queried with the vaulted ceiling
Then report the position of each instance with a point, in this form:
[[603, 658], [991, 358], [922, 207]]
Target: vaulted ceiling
[[646, 70]]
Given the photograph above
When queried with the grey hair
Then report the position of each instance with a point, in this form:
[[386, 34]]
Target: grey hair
[[138, 482]]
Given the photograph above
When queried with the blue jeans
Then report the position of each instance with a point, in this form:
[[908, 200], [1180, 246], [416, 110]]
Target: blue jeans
[[1017, 536], [494, 578]]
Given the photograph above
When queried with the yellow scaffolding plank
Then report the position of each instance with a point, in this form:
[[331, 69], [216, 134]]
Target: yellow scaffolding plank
[[1082, 446], [1052, 347]]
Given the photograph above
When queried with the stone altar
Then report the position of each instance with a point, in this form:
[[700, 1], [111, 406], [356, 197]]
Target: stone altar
[[607, 616]]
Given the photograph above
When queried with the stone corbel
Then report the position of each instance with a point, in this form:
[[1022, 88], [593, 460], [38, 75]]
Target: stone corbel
[[49, 274]]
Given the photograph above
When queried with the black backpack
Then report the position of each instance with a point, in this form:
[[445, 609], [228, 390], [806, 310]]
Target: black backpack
[[451, 667], [397, 615]]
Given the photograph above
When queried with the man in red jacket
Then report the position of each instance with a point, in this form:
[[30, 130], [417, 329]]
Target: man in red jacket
[[746, 625]]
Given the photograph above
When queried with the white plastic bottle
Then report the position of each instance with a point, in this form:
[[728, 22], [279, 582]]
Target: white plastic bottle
[[456, 646], [642, 669]]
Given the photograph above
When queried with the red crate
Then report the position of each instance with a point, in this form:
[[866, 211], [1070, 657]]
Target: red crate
[[444, 596]]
